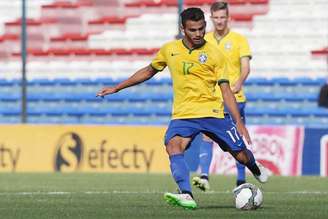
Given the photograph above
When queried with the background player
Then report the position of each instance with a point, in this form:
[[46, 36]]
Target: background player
[[236, 48], [196, 68]]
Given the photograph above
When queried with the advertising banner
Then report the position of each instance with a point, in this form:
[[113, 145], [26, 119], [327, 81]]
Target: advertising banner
[[279, 148], [324, 155], [315, 152], [284, 150], [35, 148]]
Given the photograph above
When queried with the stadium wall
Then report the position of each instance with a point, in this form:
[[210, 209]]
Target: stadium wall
[[285, 150]]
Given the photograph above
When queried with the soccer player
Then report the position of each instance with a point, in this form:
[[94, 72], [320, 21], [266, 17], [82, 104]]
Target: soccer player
[[235, 47], [196, 67]]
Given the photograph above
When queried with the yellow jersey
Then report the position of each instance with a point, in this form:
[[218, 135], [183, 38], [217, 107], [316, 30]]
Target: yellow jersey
[[234, 46], [195, 74]]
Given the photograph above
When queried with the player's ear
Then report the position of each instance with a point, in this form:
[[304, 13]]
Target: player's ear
[[182, 29]]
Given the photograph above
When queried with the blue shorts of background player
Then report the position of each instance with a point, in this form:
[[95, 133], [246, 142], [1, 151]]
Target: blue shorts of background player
[[205, 158], [222, 131]]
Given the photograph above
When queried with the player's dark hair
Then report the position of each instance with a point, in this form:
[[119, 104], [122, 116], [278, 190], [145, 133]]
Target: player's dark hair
[[193, 14], [222, 5]]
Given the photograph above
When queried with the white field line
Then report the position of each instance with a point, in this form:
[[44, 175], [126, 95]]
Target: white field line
[[145, 192]]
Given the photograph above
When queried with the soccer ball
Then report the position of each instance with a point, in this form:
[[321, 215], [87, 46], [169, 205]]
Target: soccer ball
[[248, 197]]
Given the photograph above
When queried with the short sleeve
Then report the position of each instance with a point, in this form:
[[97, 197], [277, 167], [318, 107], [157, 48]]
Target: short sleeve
[[222, 69], [244, 48], [159, 62]]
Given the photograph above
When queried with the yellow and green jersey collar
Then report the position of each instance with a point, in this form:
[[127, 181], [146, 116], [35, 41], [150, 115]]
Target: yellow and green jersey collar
[[218, 40], [194, 48]]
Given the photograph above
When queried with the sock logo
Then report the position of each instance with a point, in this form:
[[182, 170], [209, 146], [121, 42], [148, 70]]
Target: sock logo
[[68, 155]]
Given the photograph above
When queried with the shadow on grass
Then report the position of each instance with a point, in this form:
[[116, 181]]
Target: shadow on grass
[[232, 207], [216, 207]]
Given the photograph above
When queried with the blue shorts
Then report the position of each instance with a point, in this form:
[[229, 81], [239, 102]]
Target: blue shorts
[[241, 107], [222, 131]]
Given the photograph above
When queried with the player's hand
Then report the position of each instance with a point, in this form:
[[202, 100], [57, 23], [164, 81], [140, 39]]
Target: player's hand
[[242, 130], [236, 87], [105, 91]]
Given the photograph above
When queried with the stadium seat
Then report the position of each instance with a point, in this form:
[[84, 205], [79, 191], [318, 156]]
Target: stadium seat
[[9, 83], [259, 81], [83, 49], [9, 119]]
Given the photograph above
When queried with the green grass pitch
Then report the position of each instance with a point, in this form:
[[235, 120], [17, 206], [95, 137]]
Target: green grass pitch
[[88, 195]]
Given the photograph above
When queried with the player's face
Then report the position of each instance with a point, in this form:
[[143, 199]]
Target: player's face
[[220, 19], [195, 31]]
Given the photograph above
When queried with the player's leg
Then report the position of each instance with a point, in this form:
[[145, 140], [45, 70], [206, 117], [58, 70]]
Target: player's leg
[[246, 157], [241, 172], [205, 158], [180, 172], [224, 132], [177, 139], [179, 169]]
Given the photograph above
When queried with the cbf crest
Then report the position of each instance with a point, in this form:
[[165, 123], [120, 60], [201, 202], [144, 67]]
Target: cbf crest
[[202, 58], [228, 46]]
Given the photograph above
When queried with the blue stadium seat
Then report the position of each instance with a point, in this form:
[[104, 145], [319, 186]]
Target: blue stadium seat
[[263, 97], [9, 96], [10, 119], [98, 111], [77, 97], [253, 111], [119, 97], [6, 111], [259, 81], [154, 82], [305, 81], [299, 113], [141, 112], [105, 81], [44, 97], [70, 111], [64, 81], [156, 97], [300, 97], [276, 112], [167, 81], [53, 119], [284, 81], [51, 101], [163, 112], [45, 111], [135, 97], [320, 81], [4, 82], [41, 82], [320, 112], [92, 111], [121, 113], [86, 81]]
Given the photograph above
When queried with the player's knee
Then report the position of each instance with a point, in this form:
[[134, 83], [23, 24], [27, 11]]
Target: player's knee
[[173, 147], [177, 145], [206, 138]]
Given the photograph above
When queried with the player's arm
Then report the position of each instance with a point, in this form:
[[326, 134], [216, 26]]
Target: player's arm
[[230, 102], [137, 78], [244, 72]]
